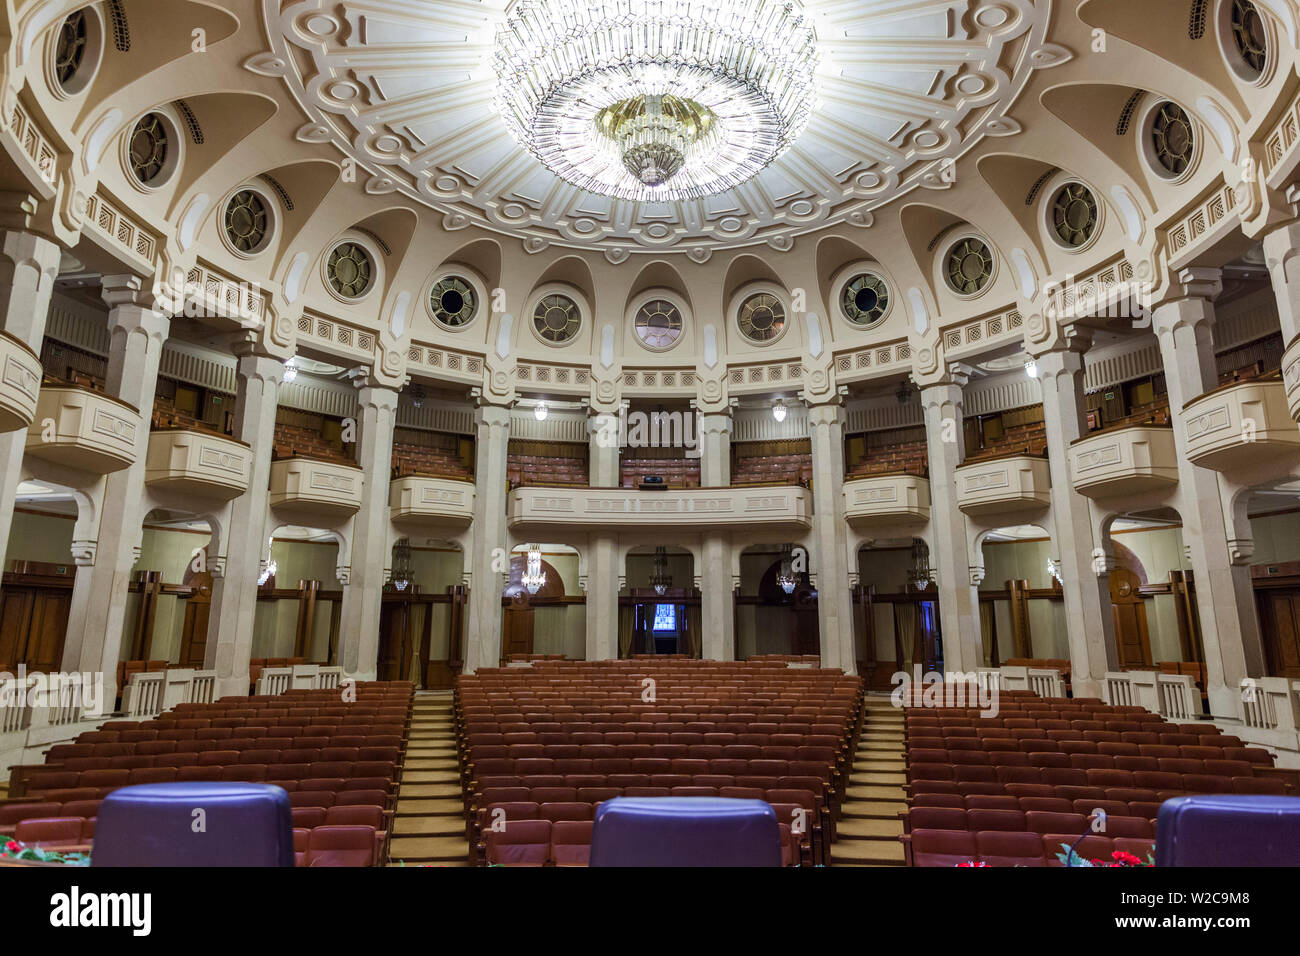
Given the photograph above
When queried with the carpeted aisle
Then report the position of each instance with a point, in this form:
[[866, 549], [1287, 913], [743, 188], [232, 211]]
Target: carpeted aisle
[[429, 825], [868, 830]]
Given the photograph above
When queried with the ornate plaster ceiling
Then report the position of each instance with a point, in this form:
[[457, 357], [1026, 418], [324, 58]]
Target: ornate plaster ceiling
[[403, 88]]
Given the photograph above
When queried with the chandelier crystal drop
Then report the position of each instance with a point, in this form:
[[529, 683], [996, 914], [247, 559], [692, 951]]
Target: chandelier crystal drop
[[661, 580], [656, 100], [786, 578]]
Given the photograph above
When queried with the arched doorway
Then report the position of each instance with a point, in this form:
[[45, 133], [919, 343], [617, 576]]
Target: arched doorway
[[519, 618]]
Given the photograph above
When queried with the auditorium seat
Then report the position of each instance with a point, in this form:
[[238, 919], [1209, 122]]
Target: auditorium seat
[[518, 843], [341, 846]]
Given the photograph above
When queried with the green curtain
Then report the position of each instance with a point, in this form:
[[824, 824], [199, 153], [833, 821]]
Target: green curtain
[[693, 644]]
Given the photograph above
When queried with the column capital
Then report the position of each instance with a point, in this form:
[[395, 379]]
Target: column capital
[[1066, 339], [250, 343], [21, 211], [1192, 283], [372, 391], [127, 291]]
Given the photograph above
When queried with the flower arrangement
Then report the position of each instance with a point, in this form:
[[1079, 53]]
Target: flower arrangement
[[13, 850], [1118, 858], [973, 863]]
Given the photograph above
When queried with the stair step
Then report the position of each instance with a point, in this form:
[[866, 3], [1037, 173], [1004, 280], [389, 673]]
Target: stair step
[[874, 792], [428, 763], [873, 809], [877, 778], [416, 807], [867, 828], [428, 849], [425, 791], [428, 826], [430, 776]]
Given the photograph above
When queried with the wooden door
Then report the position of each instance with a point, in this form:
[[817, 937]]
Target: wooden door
[[1279, 618], [1132, 640], [807, 630], [33, 626], [394, 641], [194, 629], [517, 627]]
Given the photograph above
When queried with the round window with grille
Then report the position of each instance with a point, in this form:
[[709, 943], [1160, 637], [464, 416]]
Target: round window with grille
[[1173, 140], [1249, 37], [865, 299], [453, 302], [969, 266], [658, 324], [248, 222], [557, 318], [150, 149], [1074, 215], [761, 318], [71, 49], [350, 270]]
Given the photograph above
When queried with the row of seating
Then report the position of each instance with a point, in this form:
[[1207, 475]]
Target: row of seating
[[572, 733], [338, 762], [1033, 821], [1004, 848]]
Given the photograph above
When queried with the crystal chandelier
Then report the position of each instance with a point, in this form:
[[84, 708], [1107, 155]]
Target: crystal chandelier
[[785, 577], [661, 580], [533, 577], [656, 100], [402, 571], [1054, 570], [922, 573]]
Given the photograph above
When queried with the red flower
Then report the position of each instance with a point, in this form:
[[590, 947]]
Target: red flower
[[1126, 859], [972, 863], [13, 846]]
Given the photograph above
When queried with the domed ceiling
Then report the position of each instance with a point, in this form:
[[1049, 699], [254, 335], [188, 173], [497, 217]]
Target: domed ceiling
[[406, 90]]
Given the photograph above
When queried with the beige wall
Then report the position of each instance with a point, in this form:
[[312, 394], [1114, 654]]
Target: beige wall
[[41, 537]]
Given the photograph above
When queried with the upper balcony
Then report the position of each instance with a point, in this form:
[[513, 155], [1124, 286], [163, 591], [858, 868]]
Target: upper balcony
[[310, 488], [420, 500], [194, 462], [1239, 425], [1125, 461], [886, 499], [1017, 483], [84, 429], [775, 507], [20, 383]]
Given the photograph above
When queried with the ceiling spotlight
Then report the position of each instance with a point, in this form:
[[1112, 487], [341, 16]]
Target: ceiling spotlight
[[779, 410], [540, 411], [290, 370], [1031, 368]]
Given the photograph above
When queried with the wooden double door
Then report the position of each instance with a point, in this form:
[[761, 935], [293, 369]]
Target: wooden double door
[[33, 626], [1279, 623]]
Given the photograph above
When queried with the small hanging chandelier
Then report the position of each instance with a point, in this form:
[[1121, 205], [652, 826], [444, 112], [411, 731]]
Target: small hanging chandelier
[[661, 580], [922, 574], [1054, 570], [785, 576], [533, 577], [402, 571]]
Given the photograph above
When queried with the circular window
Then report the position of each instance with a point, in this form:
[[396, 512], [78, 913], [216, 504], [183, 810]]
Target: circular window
[[762, 317], [1249, 37], [865, 299], [969, 266], [453, 302], [151, 149], [70, 50], [658, 324], [1173, 140], [1074, 215], [557, 318], [350, 270], [247, 222]]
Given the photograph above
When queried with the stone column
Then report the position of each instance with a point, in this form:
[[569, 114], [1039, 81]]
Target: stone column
[[834, 602], [717, 598], [98, 610], [963, 645], [234, 595], [491, 545], [602, 548], [371, 553], [1084, 584], [1224, 596], [29, 265], [1282, 253]]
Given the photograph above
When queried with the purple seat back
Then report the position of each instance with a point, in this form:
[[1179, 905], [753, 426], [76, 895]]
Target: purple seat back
[[1229, 830], [243, 824], [685, 831]]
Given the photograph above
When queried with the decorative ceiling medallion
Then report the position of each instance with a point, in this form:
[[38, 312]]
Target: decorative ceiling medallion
[[761, 318], [654, 102], [889, 72]]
